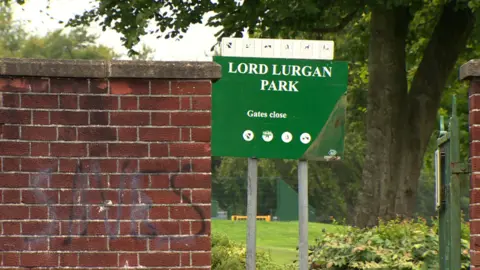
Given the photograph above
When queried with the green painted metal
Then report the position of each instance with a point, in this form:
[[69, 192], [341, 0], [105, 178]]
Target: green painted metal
[[287, 204], [449, 211], [279, 108]]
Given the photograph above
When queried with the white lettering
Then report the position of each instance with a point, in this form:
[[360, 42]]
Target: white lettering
[[274, 71], [272, 86], [263, 69], [244, 66], [282, 85], [292, 86], [307, 73], [327, 70], [230, 68], [264, 83]]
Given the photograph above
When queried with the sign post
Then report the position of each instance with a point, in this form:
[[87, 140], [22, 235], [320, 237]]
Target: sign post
[[279, 99]]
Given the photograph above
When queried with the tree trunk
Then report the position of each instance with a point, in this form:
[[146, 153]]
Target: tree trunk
[[400, 122]]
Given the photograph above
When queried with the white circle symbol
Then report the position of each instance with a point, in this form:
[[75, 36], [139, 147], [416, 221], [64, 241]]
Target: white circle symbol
[[248, 135], [267, 136], [287, 137], [305, 138]]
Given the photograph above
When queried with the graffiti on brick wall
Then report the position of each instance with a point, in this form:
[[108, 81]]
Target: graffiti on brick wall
[[139, 207]]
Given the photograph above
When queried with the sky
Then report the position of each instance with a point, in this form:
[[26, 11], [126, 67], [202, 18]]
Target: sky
[[194, 45]]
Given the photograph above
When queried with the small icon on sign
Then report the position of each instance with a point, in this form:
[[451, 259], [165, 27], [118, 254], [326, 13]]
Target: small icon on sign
[[267, 136], [287, 137], [229, 45], [305, 138], [248, 135], [332, 152]]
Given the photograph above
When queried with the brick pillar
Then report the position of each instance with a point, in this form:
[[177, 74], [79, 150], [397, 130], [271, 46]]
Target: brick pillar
[[471, 72], [105, 165]]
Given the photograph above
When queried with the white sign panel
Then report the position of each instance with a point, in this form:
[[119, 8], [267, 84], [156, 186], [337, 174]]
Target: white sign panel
[[278, 48]]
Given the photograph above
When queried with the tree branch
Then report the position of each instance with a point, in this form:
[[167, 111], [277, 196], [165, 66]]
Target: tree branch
[[343, 22]]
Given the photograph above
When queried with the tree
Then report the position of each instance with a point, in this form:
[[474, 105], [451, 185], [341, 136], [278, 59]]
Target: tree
[[400, 115]]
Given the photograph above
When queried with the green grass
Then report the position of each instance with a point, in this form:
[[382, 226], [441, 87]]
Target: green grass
[[278, 238]]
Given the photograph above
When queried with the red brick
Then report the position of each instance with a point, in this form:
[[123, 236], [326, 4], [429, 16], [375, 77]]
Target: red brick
[[127, 134], [129, 86], [191, 87], [40, 228], [128, 244], [127, 260], [98, 259], [98, 118], [11, 228], [15, 116], [68, 165], [200, 243], [160, 227], [475, 258], [201, 196], [8, 132], [68, 259], [160, 87], [14, 85], [98, 86], [189, 212], [201, 259], [186, 196], [201, 103], [79, 243], [127, 150], [11, 164], [97, 150], [201, 227], [98, 102], [201, 165], [41, 118], [11, 259], [159, 181], [8, 243], [40, 101], [163, 196], [39, 133], [185, 103], [68, 149], [185, 259], [159, 134], [97, 134], [159, 103], [39, 85], [38, 259], [67, 85], [201, 134], [68, 102], [13, 212], [11, 196], [13, 180], [69, 118], [190, 149], [158, 212], [474, 211], [67, 134], [40, 149], [129, 103], [159, 259], [61, 180], [191, 118], [160, 119], [14, 148], [10, 100], [158, 150], [159, 165], [185, 134], [39, 164], [38, 212], [129, 118], [39, 196]]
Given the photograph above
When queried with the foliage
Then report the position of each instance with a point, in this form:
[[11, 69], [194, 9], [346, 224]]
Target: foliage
[[396, 244], [228, 255]]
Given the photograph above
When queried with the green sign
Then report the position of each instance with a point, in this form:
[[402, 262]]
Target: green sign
[[279, 108]]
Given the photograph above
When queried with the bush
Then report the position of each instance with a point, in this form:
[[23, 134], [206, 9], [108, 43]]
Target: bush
[[397, 244], [228, 255]]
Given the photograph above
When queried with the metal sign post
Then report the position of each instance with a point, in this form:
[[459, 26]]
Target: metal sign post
[[252, 214], [303, 214]]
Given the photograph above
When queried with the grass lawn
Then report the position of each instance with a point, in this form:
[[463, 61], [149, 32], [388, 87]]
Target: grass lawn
[[278, 238]]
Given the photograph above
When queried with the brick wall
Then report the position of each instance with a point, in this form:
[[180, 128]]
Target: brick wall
[[105, 165], [471, 72]]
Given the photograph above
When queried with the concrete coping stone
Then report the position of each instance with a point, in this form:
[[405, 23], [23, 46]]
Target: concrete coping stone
[[469, 70], [26, 67]]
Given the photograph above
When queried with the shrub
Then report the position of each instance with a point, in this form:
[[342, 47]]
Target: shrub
[[228, 255], [397, 244]]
